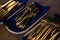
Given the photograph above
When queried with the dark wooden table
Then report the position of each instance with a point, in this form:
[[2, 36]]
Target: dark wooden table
[[54, 8]]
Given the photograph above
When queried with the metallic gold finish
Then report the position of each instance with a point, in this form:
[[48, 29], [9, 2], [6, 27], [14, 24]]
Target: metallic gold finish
[[7, 7], [24, 22], [19, 10], [42, 31], [35, 33], [46, 34], [7, 11], [20, 17], [4, 14], [11, 4], [29, 8], [26, 19], [2, 11], [53, 37], [6, 3], [52, 33]]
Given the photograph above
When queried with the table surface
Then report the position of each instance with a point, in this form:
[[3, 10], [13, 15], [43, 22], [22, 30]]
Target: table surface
[[54, 8]]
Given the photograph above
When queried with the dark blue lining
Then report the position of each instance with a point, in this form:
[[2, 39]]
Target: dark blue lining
[[11, 22]]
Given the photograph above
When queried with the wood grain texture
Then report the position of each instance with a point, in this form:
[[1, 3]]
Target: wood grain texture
[[54, 8]]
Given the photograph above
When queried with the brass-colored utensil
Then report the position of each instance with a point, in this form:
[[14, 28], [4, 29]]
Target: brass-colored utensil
[[24, 22], [53, 37], [52, 33], [11, 4], [1, 12], [6, 8], [21, 16], [2, 7], [26, 19], [28, 8], [38, 29], [6, 4], [42, 32], [46, 34]]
